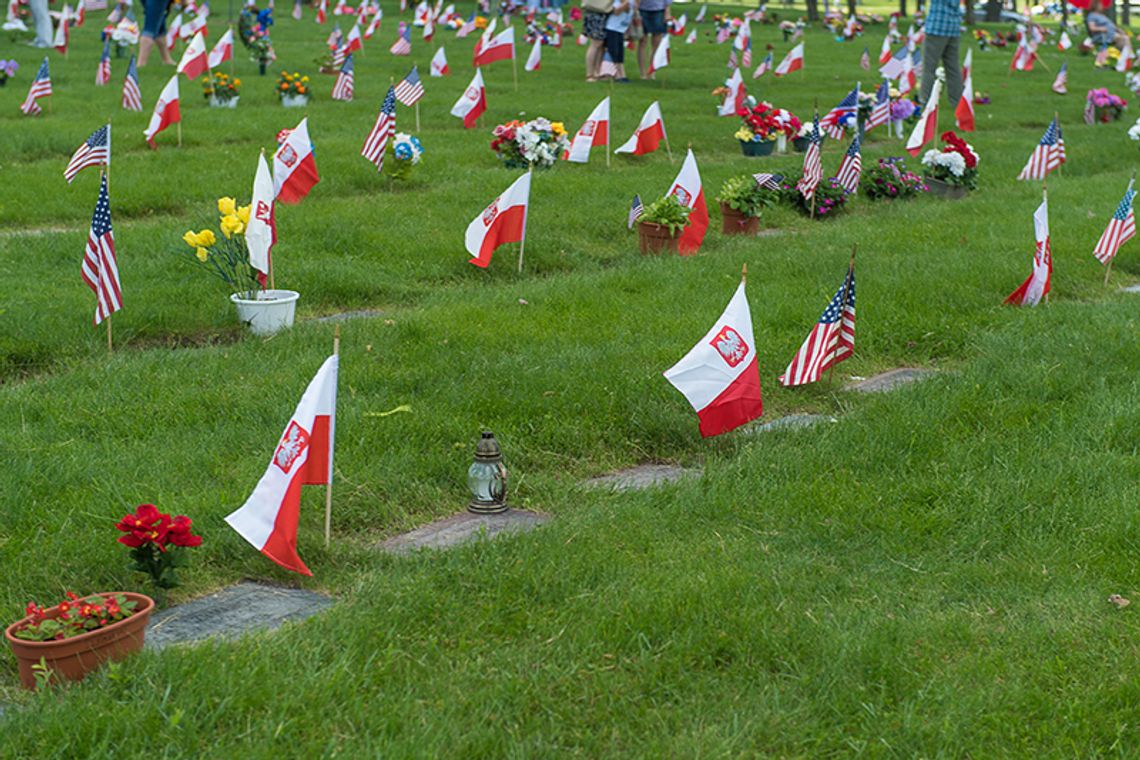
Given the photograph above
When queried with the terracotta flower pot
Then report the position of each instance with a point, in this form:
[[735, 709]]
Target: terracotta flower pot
[[734, 222], [72, 659], [653, 238], [945, 190]]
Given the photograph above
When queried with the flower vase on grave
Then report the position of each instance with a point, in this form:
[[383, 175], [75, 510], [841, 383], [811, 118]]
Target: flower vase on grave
[[781, 143]]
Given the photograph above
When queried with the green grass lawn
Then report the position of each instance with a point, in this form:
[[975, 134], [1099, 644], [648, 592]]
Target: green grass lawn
[[927, 577]]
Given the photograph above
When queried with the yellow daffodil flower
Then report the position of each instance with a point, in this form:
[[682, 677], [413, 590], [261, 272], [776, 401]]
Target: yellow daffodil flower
[[231, 225], [202, 254], [304, 79], [558, 128], [243, 215], [207, 238], [226, 206], [191, 239]]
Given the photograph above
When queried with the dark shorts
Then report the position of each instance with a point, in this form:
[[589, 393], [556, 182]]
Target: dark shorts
[[594, 25], [154, 15], [615, 46], [653, 21]]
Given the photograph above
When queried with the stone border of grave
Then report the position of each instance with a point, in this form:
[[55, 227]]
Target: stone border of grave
[[463, 528], [891, 379], [642, 476]]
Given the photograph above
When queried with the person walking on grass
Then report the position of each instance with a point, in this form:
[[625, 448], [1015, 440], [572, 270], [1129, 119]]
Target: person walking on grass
[[594, 16], [654, 14], [616, 27], [154, 32], [943, 27]]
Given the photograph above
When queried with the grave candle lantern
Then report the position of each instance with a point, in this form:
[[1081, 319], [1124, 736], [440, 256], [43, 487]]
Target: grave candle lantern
[[487, 477]]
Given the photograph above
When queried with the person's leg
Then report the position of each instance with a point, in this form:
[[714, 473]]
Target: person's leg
[[953, 68], [594, 59], [932, 48], [42, 21], [146, 44]]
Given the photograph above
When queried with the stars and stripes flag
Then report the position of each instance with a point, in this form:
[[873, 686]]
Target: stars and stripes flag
[[410, 88], [1061, 83], [768, 181], [1121, 228], [132, 97], [831, 340], [635, 210], [467, 28], [834, 121], [813, 165], [41, 88], [94, 151], [377, 141], [764, 67], [851, 167], [1030, 292], [345, 79], [732, 62], [1047, 156], [881, 110], [103, 73], [403, 43], [865, 60], [100, 269]]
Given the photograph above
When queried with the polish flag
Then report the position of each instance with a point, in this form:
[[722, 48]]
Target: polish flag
[[63, 31], [261, 232], [341, 8], [172, 30], [1124, 63], [734, 98], [322, 12], [687, 189], [650, 132], [968, 64], [660, 56], [504, 221], [720, 376], [793, 61], [964, 113], [304, 456], [297, 10], [429, 29], [223, 50], [473, 102], [166, 111], [197, 24], [1031, 291], [927, 123], [1064, 43], [294, 166], [594, 131], [691, 38], [907, 81], [885, 50], [439, 66], [534, 60], [501, 47], [195, 61], [353, 42], [374, 25], [679, 25], [583, 40]]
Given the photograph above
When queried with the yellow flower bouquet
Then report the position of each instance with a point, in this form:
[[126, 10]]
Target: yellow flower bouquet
[[221, 88], [226, 255]]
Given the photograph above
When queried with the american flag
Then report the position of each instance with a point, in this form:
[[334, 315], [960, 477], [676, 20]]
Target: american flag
[[813, 167], [851, 167], [132, 98], [41, 87], [865, 60], [1120, 230], [410, 88], [834, 119], [731, 59], [339, 56], [746, 56], [100, 270], [635, 210], [1061, 83], [1090, 110], [881, 110], [95, 151], [1047, 156], [768, 181], [377, 141], [103, 73], [764, 67], [342, 88], [467, 28], [403, 43], [831, 341]]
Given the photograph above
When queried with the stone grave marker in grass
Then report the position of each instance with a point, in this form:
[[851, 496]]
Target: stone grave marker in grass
[[889, 380], [463, 528], [1132, 289], [643, 476], [789, 422]]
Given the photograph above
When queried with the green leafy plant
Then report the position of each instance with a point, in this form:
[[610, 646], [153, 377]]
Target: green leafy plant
[[42, 673], [73, 616], [666, 212], [743, 194], [830, 198], [890, 179]]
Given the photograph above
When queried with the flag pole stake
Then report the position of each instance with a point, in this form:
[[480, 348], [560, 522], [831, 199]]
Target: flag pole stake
[[417, 116], [667, 148], [744, 272], [328, 487], [179, 132], [515, 69], [110, 343], [843, 306]]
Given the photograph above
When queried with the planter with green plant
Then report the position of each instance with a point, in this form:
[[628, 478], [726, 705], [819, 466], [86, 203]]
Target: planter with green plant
[[741, 200], [660, 225]]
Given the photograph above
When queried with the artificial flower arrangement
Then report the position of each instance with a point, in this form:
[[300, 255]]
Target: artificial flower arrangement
[[1108, 58], [1134, 131], [1105, 106], [157, 541], [764, 122], [73, 616], [537, 143], [125, 35], [829, 199], [253, 30], [227, 256], [404, 153], [956, 164], [8, 69], [292, 85], [221, 88], [890, 179]]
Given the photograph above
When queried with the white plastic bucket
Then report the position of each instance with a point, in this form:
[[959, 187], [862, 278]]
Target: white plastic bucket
[[271, 312]]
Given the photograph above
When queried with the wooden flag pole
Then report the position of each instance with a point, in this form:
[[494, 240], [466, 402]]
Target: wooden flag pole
[[231, 28], [666, 136], [328, 486], [515, 66], [744, 272], [608, 130], [843, 305], [110, 343], [522, 243], [180, 131], [417, 116]]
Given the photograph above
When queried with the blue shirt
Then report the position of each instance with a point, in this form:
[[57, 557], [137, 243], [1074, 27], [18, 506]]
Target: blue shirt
[[944, 18]]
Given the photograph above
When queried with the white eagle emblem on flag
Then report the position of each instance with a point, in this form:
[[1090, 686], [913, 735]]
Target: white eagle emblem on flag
[[472, 93], [587, 129], [287, 155], [730, 346], [683, 195], [293, 444], [490, 213]]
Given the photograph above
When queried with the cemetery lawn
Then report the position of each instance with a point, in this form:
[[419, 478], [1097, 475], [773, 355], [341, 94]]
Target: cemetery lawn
[[926, 577]]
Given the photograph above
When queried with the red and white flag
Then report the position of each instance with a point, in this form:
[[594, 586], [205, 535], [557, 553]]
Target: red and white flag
[[294, 166], [439, 66], [63, 31], [927, 124], [689, 192], [649, 134], [173, 28], [195, 61], [501, 47], [261, 232], [907, 78], [222, 51], [594, 131], [885, 50], [197, 24], [679, 25], [341, 8], [1064, 43], [831, 340], [166, 111], [691, 38], [734, 98], [534, 60], [1121, 228], [353, 41], [304, 456], [503, 221], [473, 102], [964, 113], [322, 12], [1033, 289], [720, 376], [793, 61], [373, 25], [660, 57], [1124, 62]]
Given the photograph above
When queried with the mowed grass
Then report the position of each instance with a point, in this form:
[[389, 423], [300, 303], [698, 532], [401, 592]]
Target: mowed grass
[[927, 577]]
